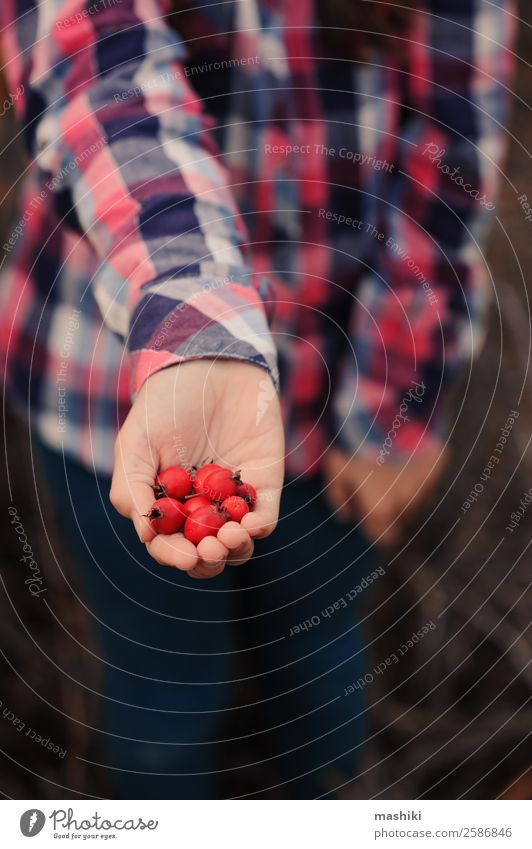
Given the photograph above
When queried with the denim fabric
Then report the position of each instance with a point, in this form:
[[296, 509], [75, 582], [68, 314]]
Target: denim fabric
[[174, 648]]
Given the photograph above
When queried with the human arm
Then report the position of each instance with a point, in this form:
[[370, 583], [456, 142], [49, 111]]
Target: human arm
[[124, 145], [421, 311]]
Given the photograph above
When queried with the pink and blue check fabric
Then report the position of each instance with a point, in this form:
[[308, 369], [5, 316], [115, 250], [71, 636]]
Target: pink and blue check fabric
[[242, 195]]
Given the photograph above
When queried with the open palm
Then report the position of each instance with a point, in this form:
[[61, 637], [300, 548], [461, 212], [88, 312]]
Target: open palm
[[220, 410]]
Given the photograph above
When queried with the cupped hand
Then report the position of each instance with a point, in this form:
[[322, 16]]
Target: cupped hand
[[224, 411]]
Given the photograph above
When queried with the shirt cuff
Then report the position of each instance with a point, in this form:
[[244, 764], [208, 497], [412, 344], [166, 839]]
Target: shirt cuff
[[184, 319], [402, 425]]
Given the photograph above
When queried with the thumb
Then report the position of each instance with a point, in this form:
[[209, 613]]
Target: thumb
[[132, 484]]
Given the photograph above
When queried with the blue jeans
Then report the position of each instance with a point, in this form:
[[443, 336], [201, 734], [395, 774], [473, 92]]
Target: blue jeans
[[173, 648]]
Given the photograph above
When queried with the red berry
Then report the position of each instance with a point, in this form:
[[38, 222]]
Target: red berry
[[166, 516], [175, 482], [205, 522], [235, 507], [248, 493], [219, 484], [202, 473], [192, 504]]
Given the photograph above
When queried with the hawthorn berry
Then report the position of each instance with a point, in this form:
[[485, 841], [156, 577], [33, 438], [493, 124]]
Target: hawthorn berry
[[220, 484], [202, 473], [175, 482], [248, 493], [204, 522], [235, 507], [166, 516], [192, 504]]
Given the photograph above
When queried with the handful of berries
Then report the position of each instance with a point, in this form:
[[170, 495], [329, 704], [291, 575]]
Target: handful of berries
[[201, 501]]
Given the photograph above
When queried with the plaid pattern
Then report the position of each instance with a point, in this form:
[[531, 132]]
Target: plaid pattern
[[240, 194]]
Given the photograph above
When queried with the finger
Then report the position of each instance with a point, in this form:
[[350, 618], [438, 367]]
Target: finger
[[233, 536], [133, 500], [173, 550], [131, 492], [339, 500], [262, 520], [383, 535], [204, 572], [241, 555], [389, 537], [238, 541], [141, 507], [212, 552], [380, 524], [423, 493]]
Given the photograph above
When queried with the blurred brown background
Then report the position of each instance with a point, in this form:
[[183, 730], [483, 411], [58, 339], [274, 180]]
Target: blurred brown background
[[454, 719]]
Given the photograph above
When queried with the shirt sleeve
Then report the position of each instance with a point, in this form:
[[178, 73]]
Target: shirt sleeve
[[421, 311], [112, 122]]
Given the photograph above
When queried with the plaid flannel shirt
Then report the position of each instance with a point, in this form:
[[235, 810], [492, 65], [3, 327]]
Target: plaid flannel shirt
[[243, 195]]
